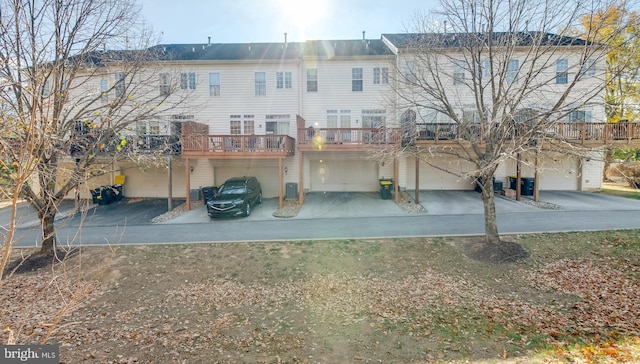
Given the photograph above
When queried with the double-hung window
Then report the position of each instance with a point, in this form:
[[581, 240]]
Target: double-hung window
[[261, 83], [188, 80], [458, 72], [589, 68], [283, 80], [562, 68], [119, 84], [312, 80], [356, 79], [104, 90], [214, 84], [381, 76], [165, 84], [512, 70]]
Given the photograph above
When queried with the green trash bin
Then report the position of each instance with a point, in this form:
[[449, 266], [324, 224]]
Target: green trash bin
[[386, 187]]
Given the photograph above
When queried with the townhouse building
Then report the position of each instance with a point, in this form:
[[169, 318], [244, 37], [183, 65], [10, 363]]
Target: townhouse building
[[305, 117]]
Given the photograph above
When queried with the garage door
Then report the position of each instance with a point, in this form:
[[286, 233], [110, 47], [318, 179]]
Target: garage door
[[432, 178], [343, 175], [559, 174], [266, 172]]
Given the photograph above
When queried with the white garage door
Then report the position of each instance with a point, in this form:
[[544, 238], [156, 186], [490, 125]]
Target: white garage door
[[343, 175], [266, 172], [432, 178], [559, 174]]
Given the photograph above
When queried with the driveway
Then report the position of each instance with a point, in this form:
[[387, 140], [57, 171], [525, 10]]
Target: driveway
[[324, 205]]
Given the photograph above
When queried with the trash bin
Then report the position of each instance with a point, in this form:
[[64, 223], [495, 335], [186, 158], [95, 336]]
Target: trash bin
[[95, 193], [386, 187], [497, 186], [527, 186], [106, 195], [480, 183], [208, 192], [117, 192], [512, 182]]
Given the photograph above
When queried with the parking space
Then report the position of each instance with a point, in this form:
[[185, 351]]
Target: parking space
[[323, 205]]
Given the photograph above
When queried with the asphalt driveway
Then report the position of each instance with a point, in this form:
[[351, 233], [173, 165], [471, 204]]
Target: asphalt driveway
[[323, 205]]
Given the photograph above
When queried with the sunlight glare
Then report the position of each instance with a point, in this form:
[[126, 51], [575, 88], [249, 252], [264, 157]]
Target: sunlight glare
[[303, 15]]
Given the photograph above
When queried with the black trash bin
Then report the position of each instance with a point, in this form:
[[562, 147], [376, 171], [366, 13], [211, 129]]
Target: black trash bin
[[527, 186], [95, 193], [386, 188], [106, 195], [117, 192]]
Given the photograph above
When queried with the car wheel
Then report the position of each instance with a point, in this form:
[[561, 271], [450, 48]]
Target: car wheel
[[247, 209], [260, 197]]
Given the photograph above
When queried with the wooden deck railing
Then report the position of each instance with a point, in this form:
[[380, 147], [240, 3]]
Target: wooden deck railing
[[373, 136], [237, 145], [578, 132]]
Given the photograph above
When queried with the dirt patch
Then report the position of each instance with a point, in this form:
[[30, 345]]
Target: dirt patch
[[501, 253], [35, 261]]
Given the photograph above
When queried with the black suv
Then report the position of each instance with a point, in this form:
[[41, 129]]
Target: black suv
[[235, 197]]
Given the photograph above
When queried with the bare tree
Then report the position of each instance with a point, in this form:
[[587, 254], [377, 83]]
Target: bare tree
[[496, 78], [75, 78]]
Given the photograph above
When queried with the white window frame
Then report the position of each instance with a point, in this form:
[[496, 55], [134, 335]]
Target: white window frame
[[188, 80], [562, 71], [165, 83], [312, 80], [214, 84], [458, 72], [283, 80], [513, 66], [357, 81], [260, 83], [589, 68], [380, 75], [119, 83]]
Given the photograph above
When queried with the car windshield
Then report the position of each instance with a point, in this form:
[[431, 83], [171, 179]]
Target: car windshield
[[233, 189]]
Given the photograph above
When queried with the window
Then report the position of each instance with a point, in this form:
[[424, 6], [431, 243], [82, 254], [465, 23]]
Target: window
[[581, 116], [261, 83], [458, 72], [512, 70], [562, 66], [486, 68], [214, 84], [242, 124], [188, 80], [277, 124], [356, 79], [312, 80], [589, 68], [411, 72], [148, 127], [104, 90], [381, 76], [165, 84], [283, 80], [374, 118], [119, 85]]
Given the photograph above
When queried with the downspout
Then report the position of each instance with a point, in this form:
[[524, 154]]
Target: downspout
[[188, 184]]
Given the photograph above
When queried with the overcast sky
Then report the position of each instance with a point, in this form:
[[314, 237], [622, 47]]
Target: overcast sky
[[245, 21]]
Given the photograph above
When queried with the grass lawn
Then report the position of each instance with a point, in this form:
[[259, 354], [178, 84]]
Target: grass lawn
[[617, 189], [576, 298]]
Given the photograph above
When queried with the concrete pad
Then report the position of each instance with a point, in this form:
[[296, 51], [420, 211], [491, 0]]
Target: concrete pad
[[347, 204], [588, 201], [447, 202]]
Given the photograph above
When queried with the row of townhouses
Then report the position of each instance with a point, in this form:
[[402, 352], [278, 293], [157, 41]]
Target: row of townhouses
[[306, 116]]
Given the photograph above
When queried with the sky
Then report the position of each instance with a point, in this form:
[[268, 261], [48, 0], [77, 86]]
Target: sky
[[255, 21]]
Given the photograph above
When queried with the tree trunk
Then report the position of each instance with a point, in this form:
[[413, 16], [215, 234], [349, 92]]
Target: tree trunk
[[48, 231], [490, 218]]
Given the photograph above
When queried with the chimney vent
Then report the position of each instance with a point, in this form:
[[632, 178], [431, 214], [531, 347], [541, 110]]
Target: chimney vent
[[285, 39], [363, 37], [209, 41]]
